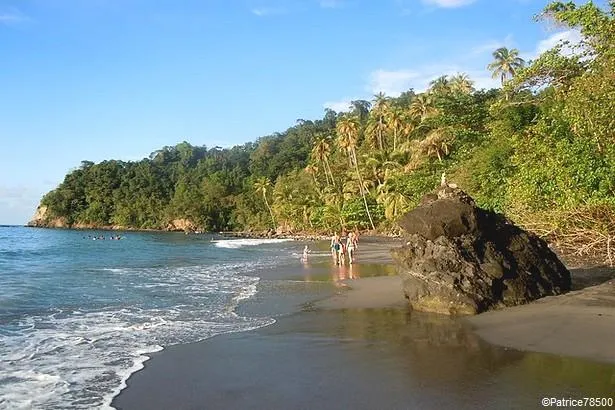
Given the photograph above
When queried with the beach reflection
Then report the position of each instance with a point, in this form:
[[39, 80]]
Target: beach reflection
[[340, 273], [440, 352]]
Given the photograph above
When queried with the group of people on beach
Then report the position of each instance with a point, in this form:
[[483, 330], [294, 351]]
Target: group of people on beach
[[342, 246]]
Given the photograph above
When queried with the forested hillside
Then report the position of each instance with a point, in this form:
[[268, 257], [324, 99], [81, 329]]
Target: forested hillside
[[541, 149]]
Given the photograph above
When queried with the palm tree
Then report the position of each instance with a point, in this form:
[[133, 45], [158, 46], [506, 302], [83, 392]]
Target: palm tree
[[422, 107], [394, 202], [390, 196], [440, 85], [333, 206], [376, 126], [395, 123], [381, 102], [377, 119], [409, 124], [506, 63], [321, 152], [261, 186], [461, 83], [437, 142], [360, 108], [375, 162], [313, 170], [348, 133]]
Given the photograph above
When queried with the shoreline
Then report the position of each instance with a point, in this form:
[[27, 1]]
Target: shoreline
[[579, 324], [329, 336], [300, 236]]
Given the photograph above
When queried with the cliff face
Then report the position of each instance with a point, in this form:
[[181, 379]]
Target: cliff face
[[42, 219]]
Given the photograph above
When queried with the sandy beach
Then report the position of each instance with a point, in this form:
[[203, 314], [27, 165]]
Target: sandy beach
[[580, 324], [353, 343]]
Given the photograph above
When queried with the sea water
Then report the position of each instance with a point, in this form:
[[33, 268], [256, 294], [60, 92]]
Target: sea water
[[78, 315]]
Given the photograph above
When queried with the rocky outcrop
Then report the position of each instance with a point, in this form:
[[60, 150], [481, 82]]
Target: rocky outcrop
[[42, 219], [461, 259], [181, 224]]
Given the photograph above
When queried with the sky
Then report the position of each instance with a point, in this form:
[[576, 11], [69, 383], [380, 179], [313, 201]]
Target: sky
[[119, 79]]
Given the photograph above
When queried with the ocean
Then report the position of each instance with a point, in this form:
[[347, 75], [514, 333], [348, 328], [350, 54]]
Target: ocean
[[78, 316]]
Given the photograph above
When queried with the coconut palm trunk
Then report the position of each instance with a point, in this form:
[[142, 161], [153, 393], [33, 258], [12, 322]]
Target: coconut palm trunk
[[269, 208], [356, 167], [328, 167]]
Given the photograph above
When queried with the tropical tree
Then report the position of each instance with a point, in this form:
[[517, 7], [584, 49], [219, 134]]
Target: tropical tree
[[437, 142], [313, 170], [506, 63], [440, 85], [321, 152], [395, 122], [348, 133], [261, 186], [461, 83], [361, 108], [376, 123], [422, 107]]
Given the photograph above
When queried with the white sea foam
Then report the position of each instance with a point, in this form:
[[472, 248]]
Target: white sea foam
[[240, 243], [81, 358]]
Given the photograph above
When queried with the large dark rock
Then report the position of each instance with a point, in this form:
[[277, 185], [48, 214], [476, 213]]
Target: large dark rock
[[461, 259]]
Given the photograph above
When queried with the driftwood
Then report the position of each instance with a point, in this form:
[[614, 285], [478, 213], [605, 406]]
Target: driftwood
[[583, 232]]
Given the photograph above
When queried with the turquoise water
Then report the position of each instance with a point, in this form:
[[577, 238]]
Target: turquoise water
[[78, 316]]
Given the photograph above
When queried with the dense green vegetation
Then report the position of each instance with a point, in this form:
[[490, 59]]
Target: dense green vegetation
[[541, 150]]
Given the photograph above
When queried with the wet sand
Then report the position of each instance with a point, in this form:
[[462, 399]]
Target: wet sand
[[347, 340], [580, 324]]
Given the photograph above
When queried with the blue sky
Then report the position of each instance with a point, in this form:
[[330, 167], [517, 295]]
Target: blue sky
[[118, 79]]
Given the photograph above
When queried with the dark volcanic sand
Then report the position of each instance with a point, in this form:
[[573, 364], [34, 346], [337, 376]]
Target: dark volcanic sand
[[321, 356]]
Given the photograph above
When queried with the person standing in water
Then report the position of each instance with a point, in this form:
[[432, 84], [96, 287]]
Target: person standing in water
[[333, 250], [306, 252], [351, 246], [336, 248], [341, 251]]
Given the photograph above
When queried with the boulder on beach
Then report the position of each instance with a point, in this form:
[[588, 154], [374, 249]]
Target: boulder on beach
[[461, 259]]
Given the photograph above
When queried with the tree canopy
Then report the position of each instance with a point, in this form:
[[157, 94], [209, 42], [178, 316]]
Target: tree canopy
[[540, 149]]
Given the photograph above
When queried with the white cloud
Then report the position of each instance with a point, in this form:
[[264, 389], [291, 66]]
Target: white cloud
[[483, 80], [394, 82], [448, 3], [572, 36], [339, 106], [491, 45]]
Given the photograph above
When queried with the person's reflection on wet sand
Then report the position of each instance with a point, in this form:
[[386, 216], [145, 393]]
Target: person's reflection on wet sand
[[307, 267], [353, 271]]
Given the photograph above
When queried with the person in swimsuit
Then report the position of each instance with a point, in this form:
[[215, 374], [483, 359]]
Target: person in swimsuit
[[333, 250], [341, 250], [351, 245], [336, 247], [306, 252]]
